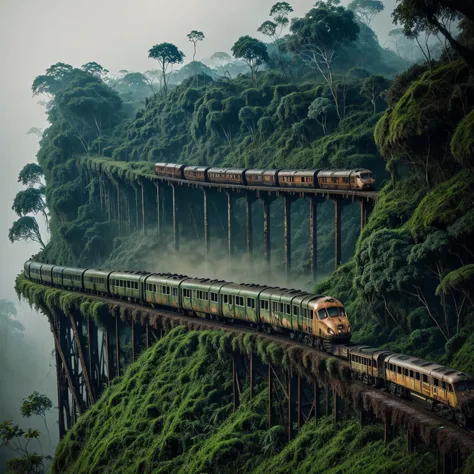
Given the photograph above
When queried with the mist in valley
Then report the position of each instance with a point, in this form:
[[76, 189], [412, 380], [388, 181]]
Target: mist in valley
[[116, 34]]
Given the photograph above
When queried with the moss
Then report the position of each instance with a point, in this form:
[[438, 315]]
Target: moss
[[181, 420], [462, 144], [445, 204]]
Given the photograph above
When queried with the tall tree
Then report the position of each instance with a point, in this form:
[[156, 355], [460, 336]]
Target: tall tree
[[274, 28], [195, 37], [25, 228], [55, 79], [252, 51], [167, 54], [31, 174], [317, 37], [416, 16], [95, 69], [366, 11], [30, 201], [373, 89]]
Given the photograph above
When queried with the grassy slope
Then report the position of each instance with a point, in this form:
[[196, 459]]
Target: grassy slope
[[172, 412]]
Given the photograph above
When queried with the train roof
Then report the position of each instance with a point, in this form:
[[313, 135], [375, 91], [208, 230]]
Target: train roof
[[170, 165], [342, 172], [260, 172], [227, 170], [425, 367], [297, 172], [196, 168]]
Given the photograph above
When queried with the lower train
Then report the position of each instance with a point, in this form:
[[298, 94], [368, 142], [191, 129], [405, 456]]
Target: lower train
[[354, 179], [317, 320]]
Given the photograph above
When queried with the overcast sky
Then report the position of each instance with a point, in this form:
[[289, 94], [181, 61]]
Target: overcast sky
[[117, 34]]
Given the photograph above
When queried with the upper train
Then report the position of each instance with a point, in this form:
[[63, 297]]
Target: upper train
[[360, 179]]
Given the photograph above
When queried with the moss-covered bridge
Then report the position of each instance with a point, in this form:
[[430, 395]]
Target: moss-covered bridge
[[97, 338]]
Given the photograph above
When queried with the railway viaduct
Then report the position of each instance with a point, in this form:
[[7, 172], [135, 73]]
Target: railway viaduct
[[96, 338], [156, 196]]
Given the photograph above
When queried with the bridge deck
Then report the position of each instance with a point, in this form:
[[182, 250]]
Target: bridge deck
[[277, 191]]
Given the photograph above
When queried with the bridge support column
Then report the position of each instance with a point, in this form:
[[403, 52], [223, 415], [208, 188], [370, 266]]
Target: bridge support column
[[251, 376], [316, 400], [77, 333], [337, 406], [266, 232], [235, 397], [337, 232], [230, 222], [207, 235], [175, 219], [248, 224], [143, 209], [313, 238], [158, 209], [270, 394], [292, 396], [388, 429], [287, 229], [117, 345], [326, 400], [133, 341], [147, 335]]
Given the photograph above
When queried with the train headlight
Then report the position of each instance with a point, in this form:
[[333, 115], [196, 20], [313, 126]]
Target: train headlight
[[330, 331]]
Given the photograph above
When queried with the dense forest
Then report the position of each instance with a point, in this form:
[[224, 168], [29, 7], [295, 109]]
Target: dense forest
[[321, 92]]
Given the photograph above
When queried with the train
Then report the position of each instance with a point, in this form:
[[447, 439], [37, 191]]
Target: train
[[359, 179], [317, 320]]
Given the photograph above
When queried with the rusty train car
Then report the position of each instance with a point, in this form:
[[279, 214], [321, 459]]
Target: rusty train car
[[355, 179], [317, 320]]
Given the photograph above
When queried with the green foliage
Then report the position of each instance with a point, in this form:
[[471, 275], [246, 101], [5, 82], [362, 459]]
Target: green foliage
[[171, 412], [166, 54], [35, 404], [252, 51], [462, 144], [29, 201], [25, 228], [323, 28], [31, 174]]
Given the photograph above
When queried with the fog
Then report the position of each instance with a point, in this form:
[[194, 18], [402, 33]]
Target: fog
[[116, 34]]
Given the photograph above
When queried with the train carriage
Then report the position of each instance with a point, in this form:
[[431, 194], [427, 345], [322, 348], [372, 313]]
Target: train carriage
[[124, 284], [163, 289], [196, 296], [256, 177], [215, 301], [368, 363], [227, 175], [35, 271], [357, 179], [196, 173], [73, 278], [47, 273], [57, 274], [234, 298], [171, 170], [302, 318], [26, 269], [433, 384], [96, 281], [298, 178]]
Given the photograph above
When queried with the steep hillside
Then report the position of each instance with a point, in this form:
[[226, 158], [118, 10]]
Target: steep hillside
[[172, 412]]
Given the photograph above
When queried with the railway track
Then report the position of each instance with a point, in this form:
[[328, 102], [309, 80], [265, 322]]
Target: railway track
[[412, 411]]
